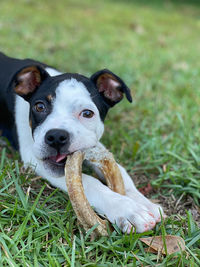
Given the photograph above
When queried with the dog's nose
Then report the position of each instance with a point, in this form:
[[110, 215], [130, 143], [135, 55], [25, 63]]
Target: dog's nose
[[57, 138]]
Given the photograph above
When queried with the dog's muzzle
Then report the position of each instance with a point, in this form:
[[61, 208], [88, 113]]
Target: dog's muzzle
[[59, 141]]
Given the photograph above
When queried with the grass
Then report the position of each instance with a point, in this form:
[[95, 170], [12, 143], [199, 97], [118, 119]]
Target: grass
[[154, 46]]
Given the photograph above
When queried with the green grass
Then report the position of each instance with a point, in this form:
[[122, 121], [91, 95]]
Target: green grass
[[154, 46]]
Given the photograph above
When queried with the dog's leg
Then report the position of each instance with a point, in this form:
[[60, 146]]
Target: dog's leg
[[145, 209], [131, 191], [129, 211], [132, 210]]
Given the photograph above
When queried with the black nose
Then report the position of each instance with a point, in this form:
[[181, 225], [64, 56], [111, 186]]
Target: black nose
[[57, 138]]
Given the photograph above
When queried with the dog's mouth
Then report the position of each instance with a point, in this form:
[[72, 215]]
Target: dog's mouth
[[59, 160]]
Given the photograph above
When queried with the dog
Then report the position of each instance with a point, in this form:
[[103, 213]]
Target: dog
[[48, 115]]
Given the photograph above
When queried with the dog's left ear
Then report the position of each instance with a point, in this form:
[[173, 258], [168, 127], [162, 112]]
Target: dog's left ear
[[110, 86], [27, 80]]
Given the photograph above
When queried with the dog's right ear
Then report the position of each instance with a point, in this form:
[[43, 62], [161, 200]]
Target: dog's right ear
[[28, 80]]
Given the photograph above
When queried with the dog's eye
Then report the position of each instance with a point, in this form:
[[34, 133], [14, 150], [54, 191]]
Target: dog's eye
[[40, 107], [86, 113]]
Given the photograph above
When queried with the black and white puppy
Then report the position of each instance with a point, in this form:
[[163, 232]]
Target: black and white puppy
[[49, 115]]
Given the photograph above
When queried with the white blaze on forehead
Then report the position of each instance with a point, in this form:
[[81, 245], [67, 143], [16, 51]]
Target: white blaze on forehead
[[71, 89], [72, 96]]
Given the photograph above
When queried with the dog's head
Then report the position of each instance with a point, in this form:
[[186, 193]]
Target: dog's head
[[67, 111]]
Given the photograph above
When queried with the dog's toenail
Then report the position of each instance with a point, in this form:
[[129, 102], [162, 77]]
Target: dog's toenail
[[151, 214]]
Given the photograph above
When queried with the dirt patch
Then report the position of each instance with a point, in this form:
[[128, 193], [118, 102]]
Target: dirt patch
[[171, 204], [174, 206]]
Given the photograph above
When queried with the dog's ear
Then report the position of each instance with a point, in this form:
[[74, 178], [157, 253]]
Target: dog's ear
[[27, 80], [110, 86]]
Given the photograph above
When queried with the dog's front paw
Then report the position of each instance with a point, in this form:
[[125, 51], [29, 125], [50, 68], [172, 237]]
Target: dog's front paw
[[128, 214], [146, 217], [152, 209]]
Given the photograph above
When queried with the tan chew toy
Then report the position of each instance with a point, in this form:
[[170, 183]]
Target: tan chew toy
[[104, 160]]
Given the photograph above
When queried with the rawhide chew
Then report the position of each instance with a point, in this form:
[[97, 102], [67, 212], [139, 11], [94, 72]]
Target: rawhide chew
[[103, 159]]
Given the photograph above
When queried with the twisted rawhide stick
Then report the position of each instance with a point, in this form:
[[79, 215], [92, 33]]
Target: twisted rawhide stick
[[104, 160]]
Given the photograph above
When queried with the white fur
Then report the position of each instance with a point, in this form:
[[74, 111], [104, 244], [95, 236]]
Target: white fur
[[132, 210], [53, 72]]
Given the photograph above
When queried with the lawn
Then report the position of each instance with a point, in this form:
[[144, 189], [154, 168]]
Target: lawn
[[155, 47]]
